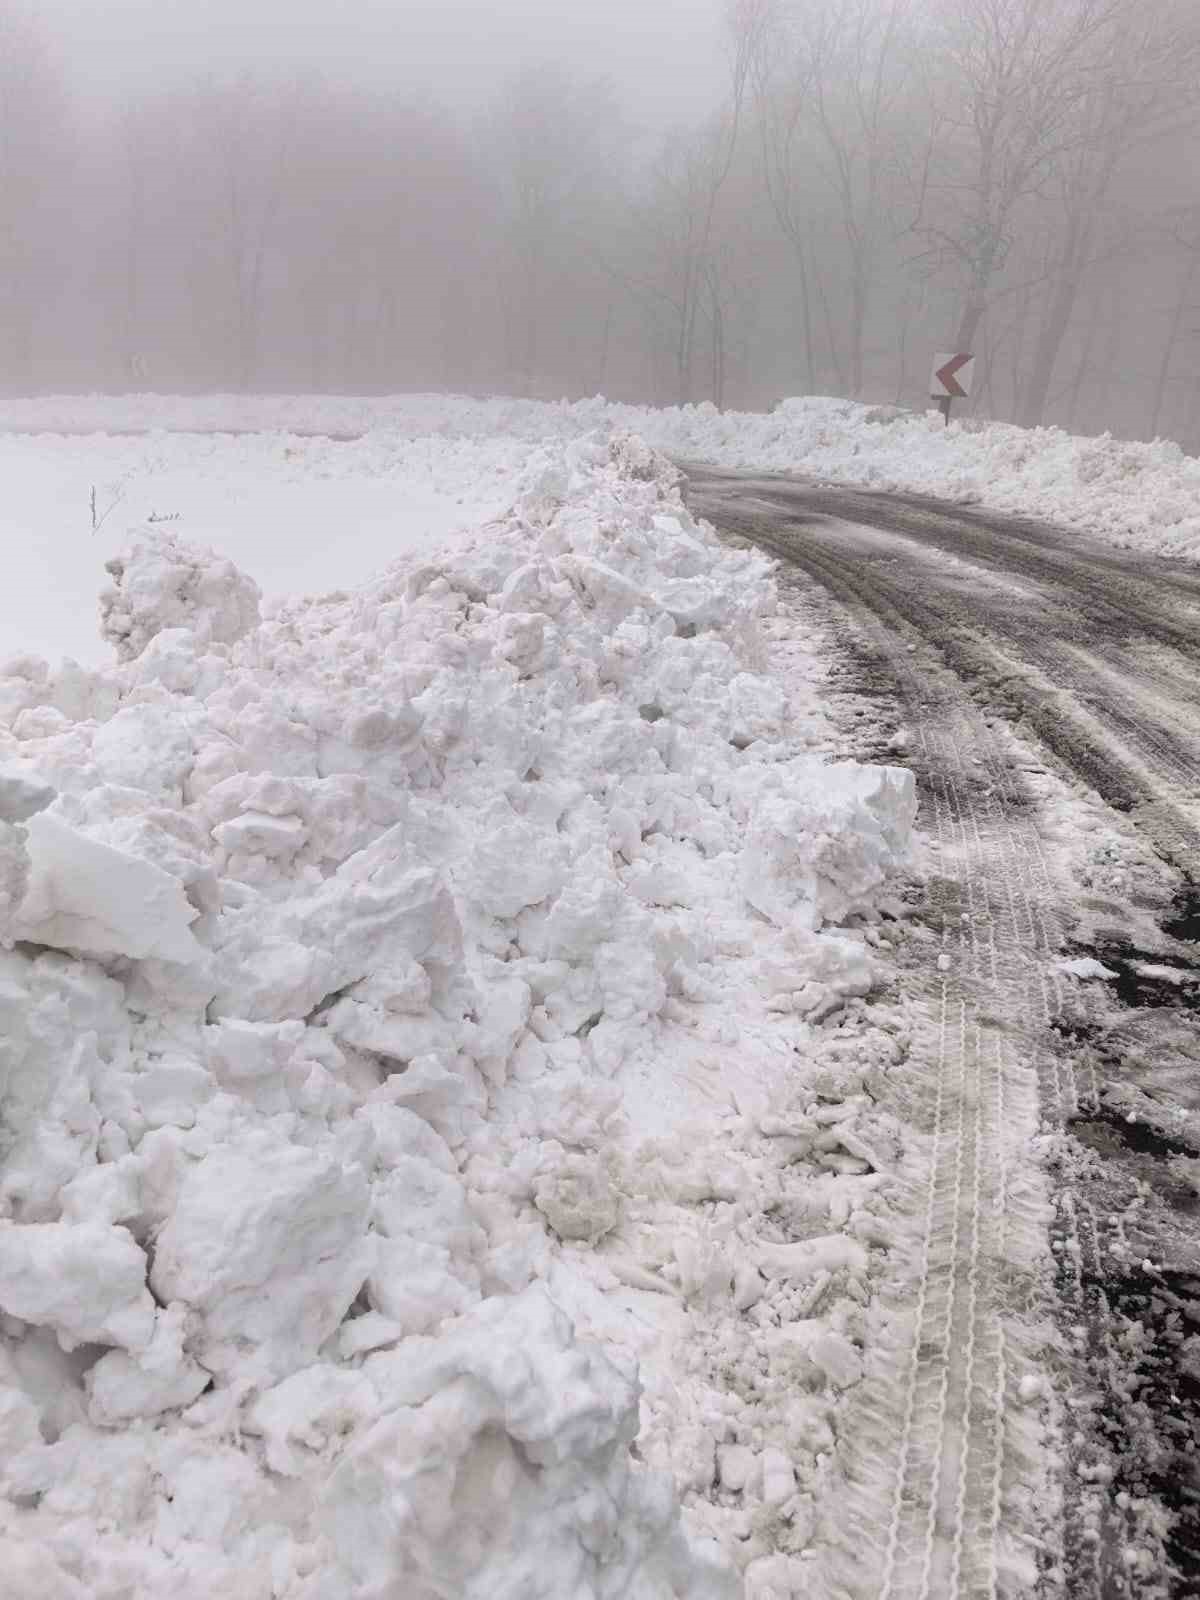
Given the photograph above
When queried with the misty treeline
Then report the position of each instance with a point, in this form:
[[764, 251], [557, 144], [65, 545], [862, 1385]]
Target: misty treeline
[[880, 179]]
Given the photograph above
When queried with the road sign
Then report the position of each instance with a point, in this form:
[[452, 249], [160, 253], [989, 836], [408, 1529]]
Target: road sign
[[952, 376]]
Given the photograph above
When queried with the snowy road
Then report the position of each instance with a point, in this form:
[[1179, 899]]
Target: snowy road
[[1097, 651], [1026, 663]]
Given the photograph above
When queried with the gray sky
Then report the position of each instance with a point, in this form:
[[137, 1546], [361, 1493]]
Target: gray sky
[[664, 54]]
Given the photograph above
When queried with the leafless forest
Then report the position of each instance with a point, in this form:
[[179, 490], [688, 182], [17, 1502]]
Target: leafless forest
[[881, 179]]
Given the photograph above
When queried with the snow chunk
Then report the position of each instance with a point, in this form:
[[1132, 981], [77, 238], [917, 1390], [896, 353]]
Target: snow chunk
[[89, 896], [577, 1199], [160, 582], [268, 1243], [85, 1280], [160, 1377], [808, 1256], [824, 839], [22, 797], [31, 1572], [305, 1415], [14, 879], [501, 1468], [1086, 967]]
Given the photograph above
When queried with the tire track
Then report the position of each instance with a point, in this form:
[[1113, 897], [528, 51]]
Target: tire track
[[950, 1476]]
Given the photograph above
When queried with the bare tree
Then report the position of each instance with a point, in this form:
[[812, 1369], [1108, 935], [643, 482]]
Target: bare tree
[[832, 79], [1144, 85], [243, 140], [1009, 92], [675, 221], [551, 142]]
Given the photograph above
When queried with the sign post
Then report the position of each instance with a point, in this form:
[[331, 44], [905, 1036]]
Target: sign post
[[951, 380]]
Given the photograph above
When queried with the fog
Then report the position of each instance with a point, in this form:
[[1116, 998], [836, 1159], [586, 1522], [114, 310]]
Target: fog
[[674, 201]]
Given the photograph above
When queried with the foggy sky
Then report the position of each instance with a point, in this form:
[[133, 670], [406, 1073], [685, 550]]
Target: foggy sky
[[372, 196], [665, 55]]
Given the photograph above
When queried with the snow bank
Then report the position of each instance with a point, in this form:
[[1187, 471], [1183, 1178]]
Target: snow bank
[[1142, 495], [357, 960]]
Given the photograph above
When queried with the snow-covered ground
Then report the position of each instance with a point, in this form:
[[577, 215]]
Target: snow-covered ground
[[299, 515], [425, 1167], [1139, 495], [426, 1162]]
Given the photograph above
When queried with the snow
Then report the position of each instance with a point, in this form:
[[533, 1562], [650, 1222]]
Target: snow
[[438, 448], [412, 1079], [313, 493], [296, 515], [1086, 967], [87, 896]]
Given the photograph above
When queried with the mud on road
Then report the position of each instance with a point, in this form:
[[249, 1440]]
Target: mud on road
[[1000, 644]]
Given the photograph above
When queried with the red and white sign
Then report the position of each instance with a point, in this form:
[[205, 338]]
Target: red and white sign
[[952, 376]]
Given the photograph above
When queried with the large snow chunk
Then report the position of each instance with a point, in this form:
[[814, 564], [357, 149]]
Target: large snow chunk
[[502, 1472], [268, 1242], [64, 1041], [160, 581], [823, 840], [307, 1414], [87, 1281], [88, 896], [146, 747], [373, 913], [160, 1377]]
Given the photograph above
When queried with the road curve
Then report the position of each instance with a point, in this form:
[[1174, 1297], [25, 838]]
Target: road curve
[[1095, 650], [978, 627]]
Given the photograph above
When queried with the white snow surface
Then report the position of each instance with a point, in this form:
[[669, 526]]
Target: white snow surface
[[1144, 495], [405, 997]]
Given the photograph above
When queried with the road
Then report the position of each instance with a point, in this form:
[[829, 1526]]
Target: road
[[1025, 662]]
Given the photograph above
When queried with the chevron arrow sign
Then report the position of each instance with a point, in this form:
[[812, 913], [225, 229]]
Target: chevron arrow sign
[[952, 376]]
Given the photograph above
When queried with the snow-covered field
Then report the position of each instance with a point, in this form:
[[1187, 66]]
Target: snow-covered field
[[399, 475], [1139, 495], [299, 515], [425, 1169]]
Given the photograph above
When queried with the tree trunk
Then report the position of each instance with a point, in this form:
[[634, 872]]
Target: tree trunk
[[1084, 364], [1057, 319], [969, 322], [859, 294], [1164, 366], [835, 357]]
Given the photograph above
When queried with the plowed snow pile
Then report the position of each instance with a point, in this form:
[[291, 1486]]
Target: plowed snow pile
[[409, 1031]]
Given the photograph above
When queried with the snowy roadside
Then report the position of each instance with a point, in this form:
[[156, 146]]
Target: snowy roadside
[[299, 515], [429, 1158], [1143, 496]]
